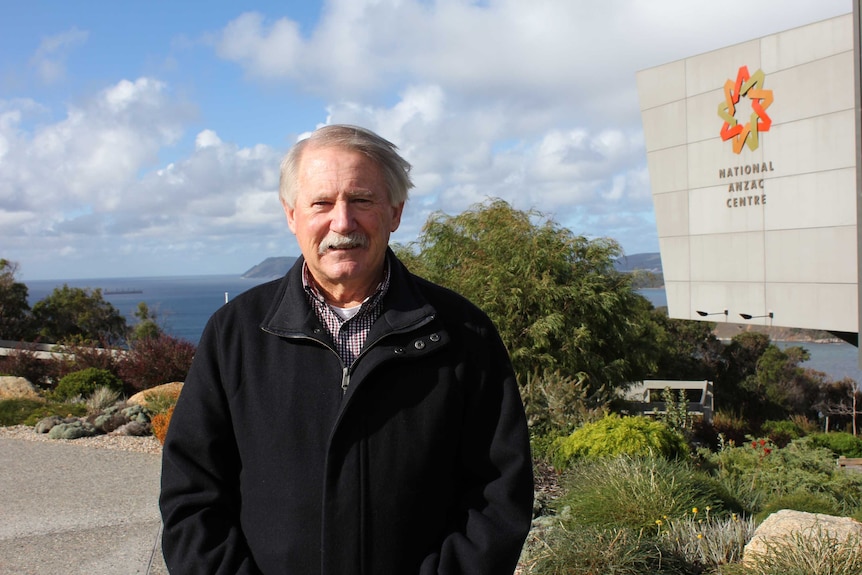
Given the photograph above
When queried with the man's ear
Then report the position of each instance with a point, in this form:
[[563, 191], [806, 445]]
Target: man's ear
[[289, 213], [396, 216]]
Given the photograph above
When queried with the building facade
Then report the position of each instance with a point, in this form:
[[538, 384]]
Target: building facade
[[753, 154]]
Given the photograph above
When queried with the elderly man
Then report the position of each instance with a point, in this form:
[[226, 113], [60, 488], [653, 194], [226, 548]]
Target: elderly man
[[349, 417]]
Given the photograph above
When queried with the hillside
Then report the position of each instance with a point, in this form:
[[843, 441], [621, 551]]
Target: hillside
[[270, 268], [649, 261]]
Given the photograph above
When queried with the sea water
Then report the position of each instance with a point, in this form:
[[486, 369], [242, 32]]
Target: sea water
[[182, 305]]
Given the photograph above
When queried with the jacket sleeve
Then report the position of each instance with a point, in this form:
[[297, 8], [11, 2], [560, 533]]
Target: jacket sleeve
[[496, 505], [199, 497]]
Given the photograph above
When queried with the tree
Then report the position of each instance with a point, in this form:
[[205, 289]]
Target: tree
[[686, 349], [780, 387], [738, 362], [15, 320], [146, 328], [79, 314], [558, 302]]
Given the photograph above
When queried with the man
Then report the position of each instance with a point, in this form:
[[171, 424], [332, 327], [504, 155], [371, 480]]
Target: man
[[349, 417]]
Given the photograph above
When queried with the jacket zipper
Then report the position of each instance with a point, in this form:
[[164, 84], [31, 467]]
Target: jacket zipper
[[345, 370]]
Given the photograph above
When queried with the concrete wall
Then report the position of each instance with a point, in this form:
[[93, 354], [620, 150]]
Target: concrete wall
[[772, 229]]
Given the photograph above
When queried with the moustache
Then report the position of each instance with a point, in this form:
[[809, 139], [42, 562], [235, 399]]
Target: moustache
[[338, 241]]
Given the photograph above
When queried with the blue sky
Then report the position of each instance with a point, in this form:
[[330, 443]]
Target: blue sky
[[142, 138]]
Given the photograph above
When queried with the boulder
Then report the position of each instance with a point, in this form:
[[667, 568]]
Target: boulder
[[172, 389], [784, 524], [12, 387]]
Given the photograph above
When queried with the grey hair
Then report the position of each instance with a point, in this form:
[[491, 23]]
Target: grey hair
[[396, 170]]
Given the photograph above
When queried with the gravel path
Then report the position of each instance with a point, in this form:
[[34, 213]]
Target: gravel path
[[148, 444]]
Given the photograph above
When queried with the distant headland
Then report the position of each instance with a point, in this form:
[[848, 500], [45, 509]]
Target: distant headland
[[270, 268]]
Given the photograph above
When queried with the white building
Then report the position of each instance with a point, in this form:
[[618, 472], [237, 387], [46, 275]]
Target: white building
[[754, 156]]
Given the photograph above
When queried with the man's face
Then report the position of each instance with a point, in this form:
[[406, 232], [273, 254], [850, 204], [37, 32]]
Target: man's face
[[342, 219]]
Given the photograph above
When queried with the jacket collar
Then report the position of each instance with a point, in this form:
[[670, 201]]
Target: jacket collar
[[403, 306]]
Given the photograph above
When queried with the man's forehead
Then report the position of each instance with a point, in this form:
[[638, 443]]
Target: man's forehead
[[341, 165]]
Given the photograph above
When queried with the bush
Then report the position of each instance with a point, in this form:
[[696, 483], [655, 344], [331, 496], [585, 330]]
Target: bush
[[781, 432], [102, 398], [51, 408], [160, 424], [839, 443], [85, 382], [556, 404], [155, 361], [79, 356], [708, 541], [587, 550], [614, 435], [15, 411], [731, 427], [800, 501], [757, 472], [631, 492]]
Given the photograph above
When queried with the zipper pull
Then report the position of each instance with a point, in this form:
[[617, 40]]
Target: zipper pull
[[345, 379]]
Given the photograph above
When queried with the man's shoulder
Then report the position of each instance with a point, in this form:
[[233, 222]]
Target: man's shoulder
[[257, 298], [447, 301]]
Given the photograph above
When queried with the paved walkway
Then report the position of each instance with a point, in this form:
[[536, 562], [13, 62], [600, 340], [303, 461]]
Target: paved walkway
[[78, 510]]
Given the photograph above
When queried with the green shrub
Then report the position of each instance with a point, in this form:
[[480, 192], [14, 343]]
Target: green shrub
[[590, 550], [635, 492], [800, 501], [839, 443], [54, 408], [614, 435], [781, 432], [85, 382], [731, 427], [757, 472], [15, 411]]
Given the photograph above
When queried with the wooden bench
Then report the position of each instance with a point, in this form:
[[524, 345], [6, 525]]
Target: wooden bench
[[845, 462]]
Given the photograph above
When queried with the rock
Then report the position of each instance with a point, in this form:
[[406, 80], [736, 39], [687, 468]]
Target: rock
[[12, 387], [45, 425], [73, 430], [786, 523], [171, 389], [133, 428]]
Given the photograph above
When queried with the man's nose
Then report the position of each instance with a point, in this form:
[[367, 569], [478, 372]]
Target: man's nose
[[342, 217]]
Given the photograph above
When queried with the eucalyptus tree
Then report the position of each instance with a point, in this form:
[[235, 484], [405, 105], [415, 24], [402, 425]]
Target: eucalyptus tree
[[558, 302]]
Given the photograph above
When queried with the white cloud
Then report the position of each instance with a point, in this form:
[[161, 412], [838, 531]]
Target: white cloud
[[532, 102], [49, 60]]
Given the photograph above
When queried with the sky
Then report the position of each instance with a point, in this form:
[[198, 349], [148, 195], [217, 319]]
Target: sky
[[142, 138]]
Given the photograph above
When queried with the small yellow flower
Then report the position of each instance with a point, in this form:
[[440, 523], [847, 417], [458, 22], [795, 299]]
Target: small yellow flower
[[734, 517], [708, 508], [700, 535], [694, 510], [658, 522]]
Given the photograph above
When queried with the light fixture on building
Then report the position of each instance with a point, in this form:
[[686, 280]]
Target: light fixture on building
[[706, 313], [770, 315]]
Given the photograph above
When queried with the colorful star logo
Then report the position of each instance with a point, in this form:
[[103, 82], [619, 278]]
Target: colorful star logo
[[750, 86]]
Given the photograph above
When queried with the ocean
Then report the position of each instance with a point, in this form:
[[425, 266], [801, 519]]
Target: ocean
[[184, 304]]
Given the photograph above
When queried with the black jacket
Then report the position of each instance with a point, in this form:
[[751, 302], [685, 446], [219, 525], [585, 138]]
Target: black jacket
[[422, 466]]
